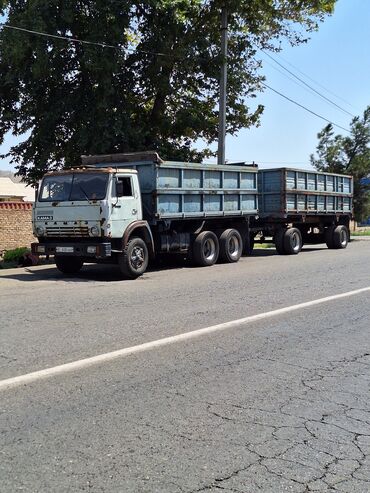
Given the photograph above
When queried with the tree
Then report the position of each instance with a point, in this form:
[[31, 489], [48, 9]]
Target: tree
[[348, 155], [155, 87]]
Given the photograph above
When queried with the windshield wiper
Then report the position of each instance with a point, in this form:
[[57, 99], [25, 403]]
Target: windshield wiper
[[83, 191]]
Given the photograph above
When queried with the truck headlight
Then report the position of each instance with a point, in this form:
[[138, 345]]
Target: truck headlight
[[40, 231], [94, 230]]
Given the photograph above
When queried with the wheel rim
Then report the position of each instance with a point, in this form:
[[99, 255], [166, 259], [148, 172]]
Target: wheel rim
[[295, 242], [209, 249], [343, 237], [137, 258], [234, 246]]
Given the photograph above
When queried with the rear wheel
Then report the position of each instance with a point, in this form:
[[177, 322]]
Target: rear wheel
[[133, 261], [68, 265], [231, 246], [292, 241], [329, 236], [340, 237], [205, 249], [279, 241]]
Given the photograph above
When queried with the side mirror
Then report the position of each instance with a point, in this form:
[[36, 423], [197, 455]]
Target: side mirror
[[119, 188]]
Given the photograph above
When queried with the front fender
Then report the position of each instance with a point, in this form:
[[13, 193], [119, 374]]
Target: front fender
[[142, 230]]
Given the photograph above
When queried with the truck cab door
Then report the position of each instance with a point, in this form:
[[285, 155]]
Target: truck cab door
[[126, 203]]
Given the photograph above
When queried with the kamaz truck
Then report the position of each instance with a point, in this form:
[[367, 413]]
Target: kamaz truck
[[129, 209]]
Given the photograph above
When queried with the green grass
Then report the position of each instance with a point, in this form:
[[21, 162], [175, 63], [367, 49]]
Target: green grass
[[264, 245], [360, 233]]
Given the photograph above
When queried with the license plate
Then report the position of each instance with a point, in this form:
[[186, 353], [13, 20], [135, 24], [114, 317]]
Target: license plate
[[64, 249]]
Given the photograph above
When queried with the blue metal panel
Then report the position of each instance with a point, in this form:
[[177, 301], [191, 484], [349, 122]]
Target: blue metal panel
[[212, 203], [192, 179], [271, 203], [192, 203], [168, 203], [321, 183], [272, 181], [301, 202], [311, 181], [290, 180], [311, 202], [231, 180], [248, 202], [330, 183], [301, 180], [248, 181], [231, 202], [168, 178], [347, 185], [291, 201], [212, 179], [320, 202]]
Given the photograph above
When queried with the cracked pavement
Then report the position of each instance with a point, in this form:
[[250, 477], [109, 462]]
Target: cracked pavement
[[281, 405]]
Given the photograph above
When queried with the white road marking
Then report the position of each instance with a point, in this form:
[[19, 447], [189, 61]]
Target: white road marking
[[147, 346]]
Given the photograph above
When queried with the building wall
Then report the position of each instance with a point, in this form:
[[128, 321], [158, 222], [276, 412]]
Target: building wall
[[15, 225]]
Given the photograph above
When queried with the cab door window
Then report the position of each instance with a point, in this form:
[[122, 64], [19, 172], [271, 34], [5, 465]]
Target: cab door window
[[124, 186]]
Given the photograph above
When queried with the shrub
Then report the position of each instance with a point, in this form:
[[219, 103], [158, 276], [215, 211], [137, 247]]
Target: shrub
[[13, 255]]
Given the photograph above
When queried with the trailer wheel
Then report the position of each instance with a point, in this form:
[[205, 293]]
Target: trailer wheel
[[329, 236], [279, 241], [134, 259], [231, 246], [68, 265], [205, 249], [292, 241], [340, 237]]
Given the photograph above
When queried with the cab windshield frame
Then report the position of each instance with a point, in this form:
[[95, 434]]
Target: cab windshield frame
[[74, 187]]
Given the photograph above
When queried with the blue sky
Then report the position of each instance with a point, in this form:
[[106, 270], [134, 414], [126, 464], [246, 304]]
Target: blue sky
[[338, 58]]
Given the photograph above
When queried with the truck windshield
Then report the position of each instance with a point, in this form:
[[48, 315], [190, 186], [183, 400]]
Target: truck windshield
[[76, 186]]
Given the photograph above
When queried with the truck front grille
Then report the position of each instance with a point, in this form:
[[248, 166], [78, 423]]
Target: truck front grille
[[67, 231]]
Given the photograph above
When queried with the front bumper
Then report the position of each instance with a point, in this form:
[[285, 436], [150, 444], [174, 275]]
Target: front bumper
[[73, 249]]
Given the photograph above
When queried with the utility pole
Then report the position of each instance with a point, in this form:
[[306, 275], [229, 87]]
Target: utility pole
[[223, 89]]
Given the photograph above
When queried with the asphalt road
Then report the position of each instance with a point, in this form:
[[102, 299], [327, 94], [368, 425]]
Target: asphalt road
[[279, 404]]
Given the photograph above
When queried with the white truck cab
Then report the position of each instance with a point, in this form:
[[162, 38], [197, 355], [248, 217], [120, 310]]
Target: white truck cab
[[84, 213]]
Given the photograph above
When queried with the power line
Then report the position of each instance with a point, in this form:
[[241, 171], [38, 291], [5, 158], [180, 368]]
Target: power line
[[70, 39], [317, 83], [305, 83], [304, 107]]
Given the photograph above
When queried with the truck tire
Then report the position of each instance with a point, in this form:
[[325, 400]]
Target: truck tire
[[340, 237], [292, 241], [329, 236], [134, 259], [279, 241], [231, 246], [205, 249], [68, 265]]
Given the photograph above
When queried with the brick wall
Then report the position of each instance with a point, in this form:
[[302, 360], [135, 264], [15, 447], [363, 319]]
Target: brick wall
[[15, 225]]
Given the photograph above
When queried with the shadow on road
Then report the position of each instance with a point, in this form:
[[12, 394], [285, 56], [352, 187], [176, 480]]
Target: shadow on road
[[110, 272]]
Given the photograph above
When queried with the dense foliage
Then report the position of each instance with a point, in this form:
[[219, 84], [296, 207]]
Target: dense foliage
[[348, 155], [155, 88]]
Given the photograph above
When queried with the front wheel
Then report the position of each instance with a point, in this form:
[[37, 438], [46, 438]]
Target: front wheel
[[68, 265], [134, 259]]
